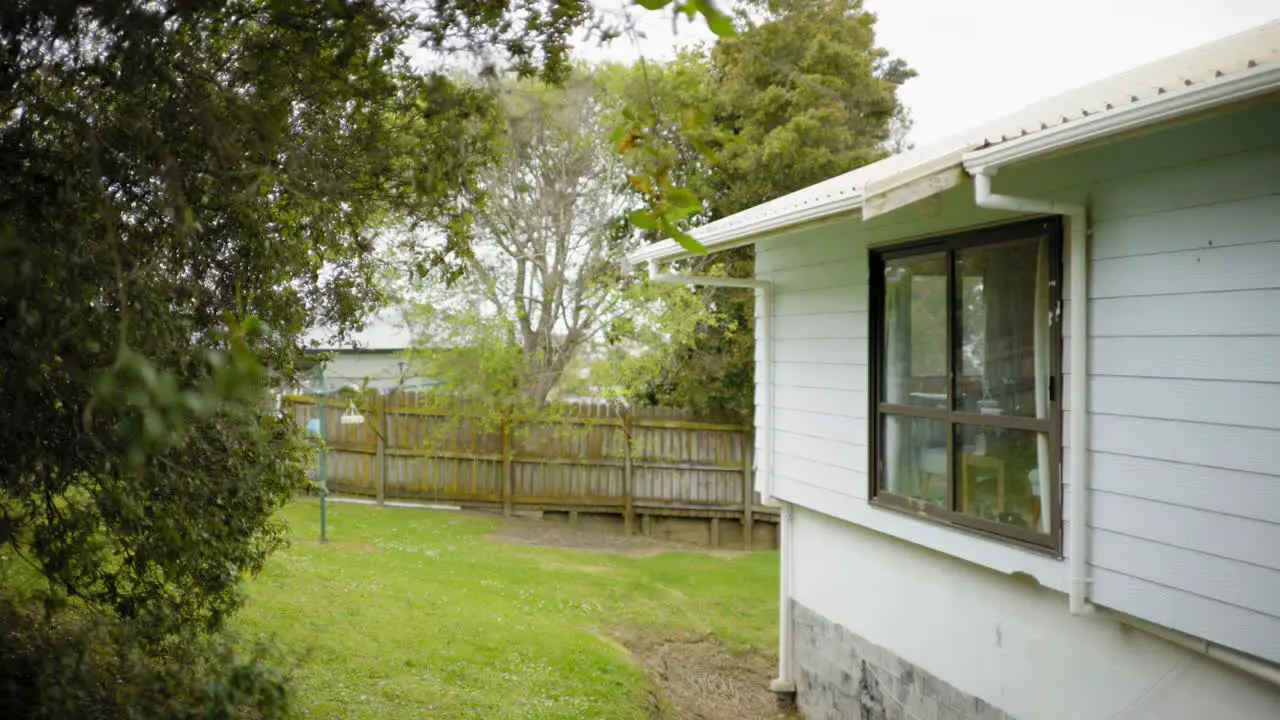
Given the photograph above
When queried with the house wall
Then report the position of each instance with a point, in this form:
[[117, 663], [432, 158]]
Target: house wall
[[931, 637], [348, 368], [1184, 391]]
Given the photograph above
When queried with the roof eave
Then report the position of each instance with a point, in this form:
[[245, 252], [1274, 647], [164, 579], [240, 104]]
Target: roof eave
[[1168, 107], [1247, 68], [745, 232]]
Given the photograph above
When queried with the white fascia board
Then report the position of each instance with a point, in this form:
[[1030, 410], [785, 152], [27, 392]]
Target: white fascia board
[[1170, 106], [900, 179], [811, 203], [912, 191], [914, 165]]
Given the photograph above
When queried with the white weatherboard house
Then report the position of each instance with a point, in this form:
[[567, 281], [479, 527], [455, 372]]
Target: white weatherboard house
[[1018, 396]]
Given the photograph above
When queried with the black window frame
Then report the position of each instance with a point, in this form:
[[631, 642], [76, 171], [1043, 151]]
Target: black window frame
[[1050, 227]]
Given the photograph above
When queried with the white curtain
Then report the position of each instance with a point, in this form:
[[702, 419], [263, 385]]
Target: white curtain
[[1043, 318], [897, 305]]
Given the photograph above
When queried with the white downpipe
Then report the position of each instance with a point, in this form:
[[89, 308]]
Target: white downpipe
[[785, 682], [1077, 244], [764, 482]]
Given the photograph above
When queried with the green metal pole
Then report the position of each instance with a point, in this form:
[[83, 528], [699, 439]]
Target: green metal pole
[[324, 452]]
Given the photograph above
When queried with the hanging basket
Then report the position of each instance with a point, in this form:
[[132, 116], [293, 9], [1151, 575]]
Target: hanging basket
[[352, 416]]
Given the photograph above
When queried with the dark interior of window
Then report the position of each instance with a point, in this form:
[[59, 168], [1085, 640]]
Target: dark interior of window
[[965, 352]]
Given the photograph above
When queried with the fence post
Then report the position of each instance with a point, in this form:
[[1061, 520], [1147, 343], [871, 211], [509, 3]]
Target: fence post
[[748, 489], [380, 459], [507, 480], [628, 493]]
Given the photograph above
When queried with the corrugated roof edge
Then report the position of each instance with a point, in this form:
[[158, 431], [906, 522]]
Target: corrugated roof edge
[[1207, 76], [1226, 90]]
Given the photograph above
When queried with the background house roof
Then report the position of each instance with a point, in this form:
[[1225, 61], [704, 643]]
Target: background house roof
[[388, 330], [1220, 72]]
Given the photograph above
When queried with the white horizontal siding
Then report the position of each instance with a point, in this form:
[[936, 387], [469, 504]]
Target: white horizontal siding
[[1211, 489], [823, 325], [830, 350], [813, 248], [821, 376], [843, 480], [1247, 630], [1199, 530], [843, 403], [1185, 397], [1229, 178], [1200, 270], [835, 453], [817, 275], [1229, 581], [803, 301], [1221, 314], [844, 429], [1239, 222], [1184, 382], [1241, 358], [1229, 447], [1208, 401]]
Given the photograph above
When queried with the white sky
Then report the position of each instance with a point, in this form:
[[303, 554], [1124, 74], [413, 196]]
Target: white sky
[[980, 59]]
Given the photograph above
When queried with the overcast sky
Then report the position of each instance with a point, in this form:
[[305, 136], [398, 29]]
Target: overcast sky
[[980, 59]]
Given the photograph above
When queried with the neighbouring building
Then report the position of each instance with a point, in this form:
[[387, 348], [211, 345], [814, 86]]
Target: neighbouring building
[[1018, 396], [379, 358]]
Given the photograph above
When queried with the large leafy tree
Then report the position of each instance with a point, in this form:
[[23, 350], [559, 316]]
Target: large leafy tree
[[543, 283], [549, 230], [189, 185], [801, 94]]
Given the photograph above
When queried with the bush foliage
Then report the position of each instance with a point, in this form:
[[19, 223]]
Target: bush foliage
[[188, 186]]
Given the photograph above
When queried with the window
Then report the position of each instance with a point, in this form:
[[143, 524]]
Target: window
[[967, 339]]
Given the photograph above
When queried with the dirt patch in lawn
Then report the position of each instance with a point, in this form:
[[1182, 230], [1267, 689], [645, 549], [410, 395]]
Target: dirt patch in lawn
[[697, 678], [549, 534], [571, 567], [359, 548]]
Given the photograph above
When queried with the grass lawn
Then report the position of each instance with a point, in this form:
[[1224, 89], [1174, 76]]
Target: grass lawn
[[411, 613]]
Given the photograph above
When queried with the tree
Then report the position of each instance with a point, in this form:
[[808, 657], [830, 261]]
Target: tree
[[544, 278], [800, 95], [189, 185]]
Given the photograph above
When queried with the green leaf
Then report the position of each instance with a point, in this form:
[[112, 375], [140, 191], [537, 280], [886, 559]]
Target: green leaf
[[653, 4], [684, 211], [686, 240], [717, 21], [692, 118], [721, 25], [683, 199], [643, 219]]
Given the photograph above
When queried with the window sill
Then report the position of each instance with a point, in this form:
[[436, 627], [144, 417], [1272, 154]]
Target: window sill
[[1047, 545], [961, 543]]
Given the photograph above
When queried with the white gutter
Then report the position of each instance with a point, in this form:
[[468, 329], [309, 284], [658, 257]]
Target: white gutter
[[1260, 669], [1164, 107], [1078, 246], [832, 197], [764, 477]]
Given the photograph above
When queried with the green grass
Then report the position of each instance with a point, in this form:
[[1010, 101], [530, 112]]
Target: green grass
[[413, 613]]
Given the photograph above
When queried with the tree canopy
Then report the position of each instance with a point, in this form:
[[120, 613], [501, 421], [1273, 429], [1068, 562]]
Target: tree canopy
[[802, 93], [544, 282], [189, 185]]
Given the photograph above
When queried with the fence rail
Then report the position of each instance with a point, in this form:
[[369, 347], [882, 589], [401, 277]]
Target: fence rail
[[643, 466]]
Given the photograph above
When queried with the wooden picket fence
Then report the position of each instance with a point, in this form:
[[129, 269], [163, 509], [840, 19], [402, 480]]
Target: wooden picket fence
[[645, 466]]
